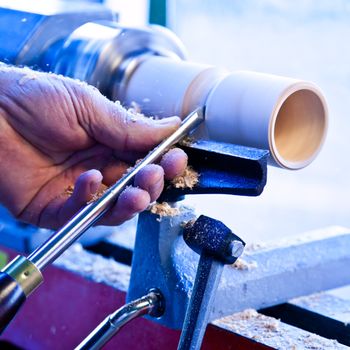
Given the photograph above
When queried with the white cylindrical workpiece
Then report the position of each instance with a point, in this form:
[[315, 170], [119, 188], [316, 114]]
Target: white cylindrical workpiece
[[284, 115], [164, 87]]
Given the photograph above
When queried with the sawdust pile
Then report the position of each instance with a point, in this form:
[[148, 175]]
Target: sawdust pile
[[188, 179], [269, 324], [95, 267], [245, 315], [164, 209], [241, 264], [271, 332]]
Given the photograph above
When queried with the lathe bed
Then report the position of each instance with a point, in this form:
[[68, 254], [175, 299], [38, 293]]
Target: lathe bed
[[83, 287]]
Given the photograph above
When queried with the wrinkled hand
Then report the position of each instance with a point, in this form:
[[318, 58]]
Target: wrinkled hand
[[56, 132]]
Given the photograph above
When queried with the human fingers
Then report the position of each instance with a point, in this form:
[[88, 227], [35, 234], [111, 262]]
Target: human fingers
[[85, 187], [131, 201], [174, 163], [151, 179], [61, 208]]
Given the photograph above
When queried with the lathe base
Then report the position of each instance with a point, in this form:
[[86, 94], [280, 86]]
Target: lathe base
[[68, 306]]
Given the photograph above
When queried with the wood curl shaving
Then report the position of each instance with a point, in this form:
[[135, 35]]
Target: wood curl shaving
[[268, 323], [98, 194], [70, 189], [188, 179], [243, 265], [187, 141], [164, 209]]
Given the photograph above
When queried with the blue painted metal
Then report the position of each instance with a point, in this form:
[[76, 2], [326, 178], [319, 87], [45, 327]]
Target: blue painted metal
[[224, 169], [202, 298], [277, 273], [33, 28], [161, 258], [154, 264], [212, 240], [212, 237], [300, 266]]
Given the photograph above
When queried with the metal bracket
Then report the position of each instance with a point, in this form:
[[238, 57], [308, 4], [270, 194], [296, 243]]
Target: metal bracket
[[161, 258]]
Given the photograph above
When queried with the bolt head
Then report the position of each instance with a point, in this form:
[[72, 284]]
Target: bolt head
[[236, 248]]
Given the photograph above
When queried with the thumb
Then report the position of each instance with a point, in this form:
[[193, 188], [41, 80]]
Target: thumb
[[114, 126]]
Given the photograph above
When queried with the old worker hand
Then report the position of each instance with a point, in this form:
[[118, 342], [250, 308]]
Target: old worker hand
[[61, 142]]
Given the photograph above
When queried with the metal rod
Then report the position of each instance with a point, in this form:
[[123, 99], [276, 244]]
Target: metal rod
[[149, 304], [85, 218]]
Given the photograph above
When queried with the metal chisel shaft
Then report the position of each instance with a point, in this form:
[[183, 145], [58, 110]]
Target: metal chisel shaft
[[85, 218]]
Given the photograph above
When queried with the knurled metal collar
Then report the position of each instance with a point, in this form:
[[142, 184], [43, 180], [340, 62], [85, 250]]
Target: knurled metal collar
[[25, 273]]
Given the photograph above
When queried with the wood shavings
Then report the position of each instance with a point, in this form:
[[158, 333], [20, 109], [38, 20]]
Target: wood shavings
[[69, 190], [95, 267], [187, 141], [245, 315], [272, 326], [274, 333], [128, 170], [98, 194], [164, 209], [188, 179], [243, 265], [135, 113], [268, 323]]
